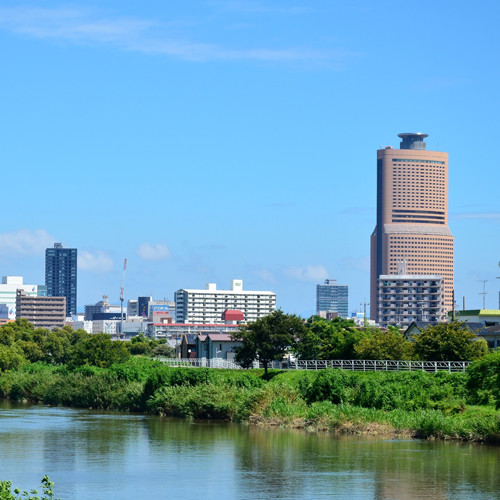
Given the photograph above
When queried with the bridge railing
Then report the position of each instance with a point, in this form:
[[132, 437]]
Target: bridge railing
[[364, 365]]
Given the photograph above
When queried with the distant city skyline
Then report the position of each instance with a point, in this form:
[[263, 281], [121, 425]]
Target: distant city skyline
[[209, 140]]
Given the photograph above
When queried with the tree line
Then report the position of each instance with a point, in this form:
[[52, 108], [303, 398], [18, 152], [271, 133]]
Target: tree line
[[272, 337], [21, 343]]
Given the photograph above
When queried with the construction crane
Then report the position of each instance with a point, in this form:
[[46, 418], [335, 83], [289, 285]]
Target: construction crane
[[121, 296]]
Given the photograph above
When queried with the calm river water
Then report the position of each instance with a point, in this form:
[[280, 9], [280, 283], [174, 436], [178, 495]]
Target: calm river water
[[104, 455]]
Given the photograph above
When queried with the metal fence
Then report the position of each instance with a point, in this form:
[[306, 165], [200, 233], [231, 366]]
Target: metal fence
[[201, 363], [361, 365], [367, 365]]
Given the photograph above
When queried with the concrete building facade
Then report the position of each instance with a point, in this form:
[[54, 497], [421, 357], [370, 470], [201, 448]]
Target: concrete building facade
[[8, 290], [412, 216], [405, 298], [103, 306], [41, 312], [61, 275], [208, 306], [333, 298]]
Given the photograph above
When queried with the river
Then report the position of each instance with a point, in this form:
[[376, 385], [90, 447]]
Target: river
[[109, 455]]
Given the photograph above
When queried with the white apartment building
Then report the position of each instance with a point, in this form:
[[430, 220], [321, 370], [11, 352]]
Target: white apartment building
[[207, 306], [403, 298], [8, 289]]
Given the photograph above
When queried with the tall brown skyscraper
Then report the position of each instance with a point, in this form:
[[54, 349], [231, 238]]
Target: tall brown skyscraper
[[412, 216]]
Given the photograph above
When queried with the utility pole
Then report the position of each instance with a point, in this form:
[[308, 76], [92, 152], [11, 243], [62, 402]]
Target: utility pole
[[121, 297], [364, 304], [453, 310], [483, 293]]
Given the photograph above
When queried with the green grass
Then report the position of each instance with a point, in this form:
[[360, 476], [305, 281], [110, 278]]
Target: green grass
[[436, 405]]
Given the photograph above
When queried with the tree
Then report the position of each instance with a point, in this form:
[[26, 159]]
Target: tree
[[163, 350], [11, 357], [98, 350], [139, 344], [384, 345], [451, 341], [56, 347], [324, 339], [268, 338]]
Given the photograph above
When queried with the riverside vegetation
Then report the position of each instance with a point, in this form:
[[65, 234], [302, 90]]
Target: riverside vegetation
[[6, 492], [90, 371]]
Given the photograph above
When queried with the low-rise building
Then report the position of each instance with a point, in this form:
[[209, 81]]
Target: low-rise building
[[41, 312], [487, 317], [216, 345], [188, 346], [492, 335], [173, 332], [101, 307]]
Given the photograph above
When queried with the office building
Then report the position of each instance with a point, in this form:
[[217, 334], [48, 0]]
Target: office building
[[41, 312], [209, 305], [101, 307], [61, 275], [143, 306], [405, 298], [132, 308], [332, 298], [8, 289], [412, 216]]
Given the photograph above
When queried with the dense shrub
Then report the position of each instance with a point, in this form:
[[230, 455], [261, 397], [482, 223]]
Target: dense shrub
[[483, 379], [386, 390], [205, 400]]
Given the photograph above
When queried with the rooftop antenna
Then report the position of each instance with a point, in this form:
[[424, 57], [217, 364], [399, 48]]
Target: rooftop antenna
[[121, 296], [402, 267], [483, 293]]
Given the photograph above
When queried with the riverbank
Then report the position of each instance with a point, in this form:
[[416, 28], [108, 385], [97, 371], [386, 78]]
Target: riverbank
[[416, 404]]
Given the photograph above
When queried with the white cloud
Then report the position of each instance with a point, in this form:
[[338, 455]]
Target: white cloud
[[157, 251], [307, 273], [26, 242], [95, 262], [265, 275], [80, 25]]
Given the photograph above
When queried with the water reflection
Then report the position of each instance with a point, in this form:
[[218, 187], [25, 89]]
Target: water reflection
[[135, 456]]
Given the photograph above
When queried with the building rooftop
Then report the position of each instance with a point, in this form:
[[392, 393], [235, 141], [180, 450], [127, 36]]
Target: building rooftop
[[233, 315], [413, 140], [477, 312]]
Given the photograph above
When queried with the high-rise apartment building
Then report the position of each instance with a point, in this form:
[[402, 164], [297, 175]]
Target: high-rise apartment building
[[412, 216], [332, 298], [207, 306], [405, 298], [61, 275]]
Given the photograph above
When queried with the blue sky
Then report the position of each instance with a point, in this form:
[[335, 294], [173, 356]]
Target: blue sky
[[220, 139]]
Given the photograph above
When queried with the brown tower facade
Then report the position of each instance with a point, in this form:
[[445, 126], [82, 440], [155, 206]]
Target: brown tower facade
[[412, 216]]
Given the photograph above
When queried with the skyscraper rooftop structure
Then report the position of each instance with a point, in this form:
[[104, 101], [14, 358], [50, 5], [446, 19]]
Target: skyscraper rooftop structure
[[61, 275], [412, 216]]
